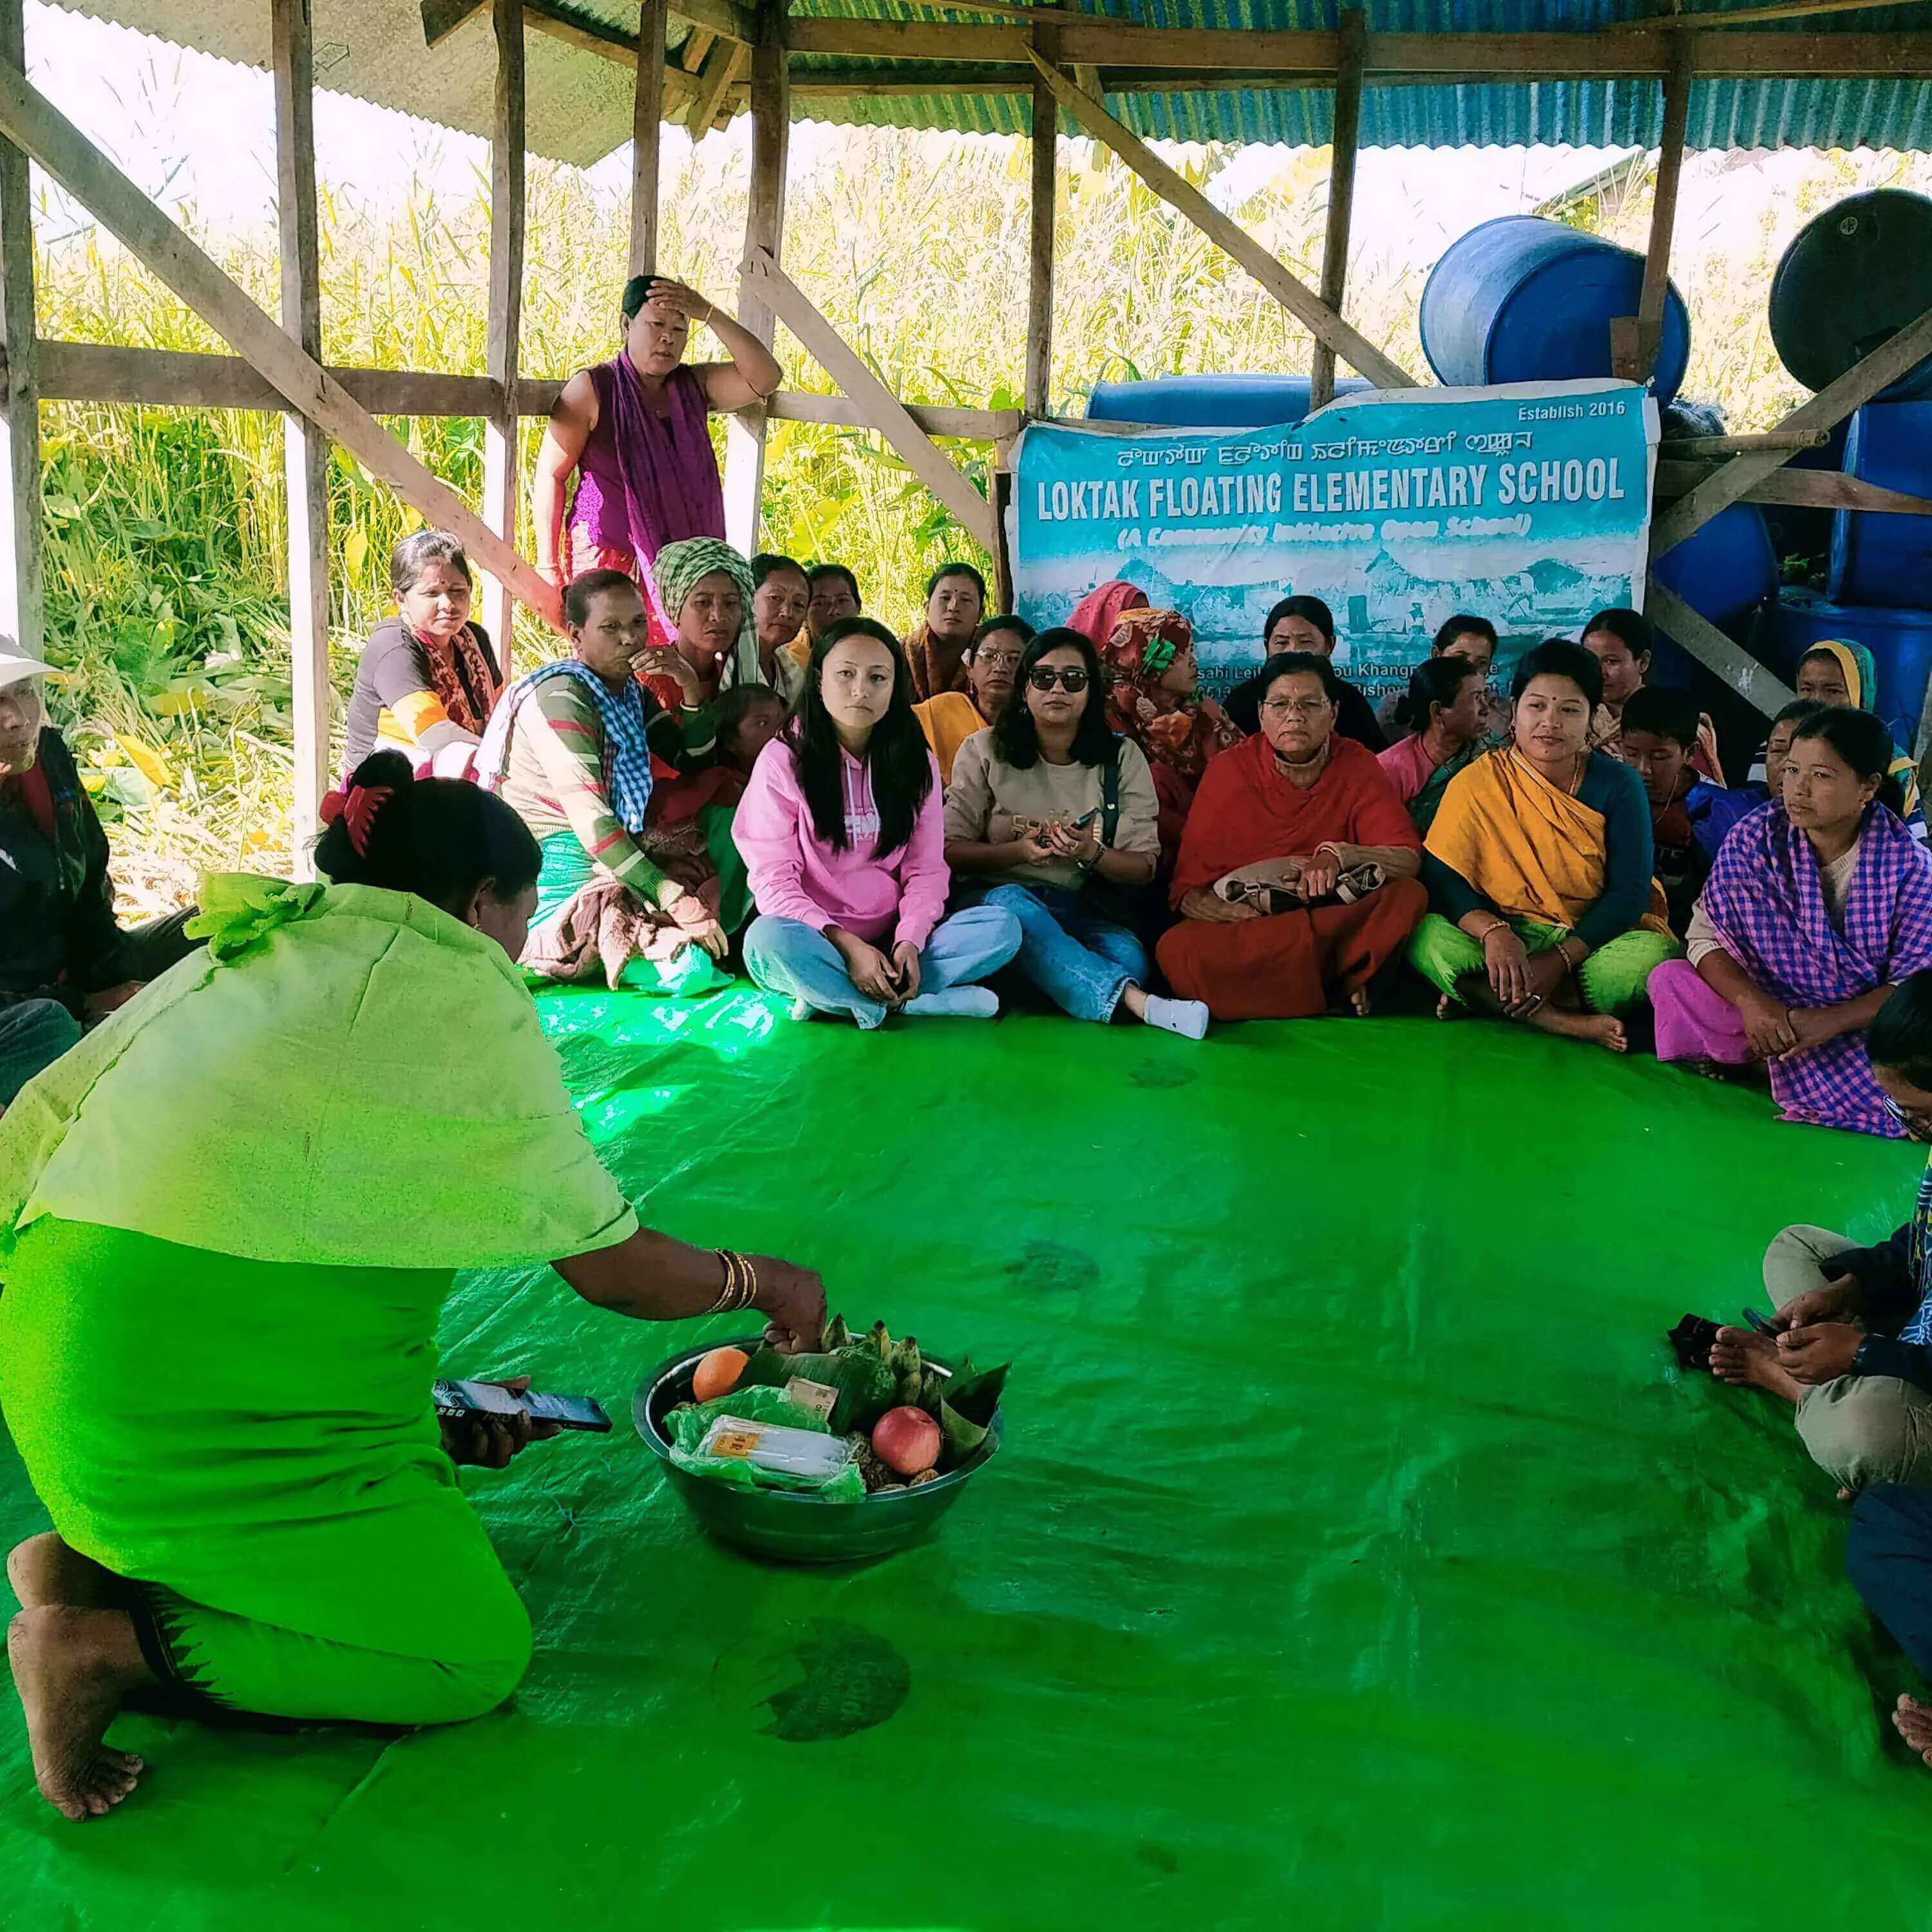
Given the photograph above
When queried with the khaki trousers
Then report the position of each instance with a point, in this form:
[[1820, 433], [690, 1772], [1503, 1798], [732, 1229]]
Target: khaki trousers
[[1861, 1429]]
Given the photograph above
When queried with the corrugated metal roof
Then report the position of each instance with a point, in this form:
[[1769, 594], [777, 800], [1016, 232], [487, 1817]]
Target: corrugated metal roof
[[580, 103]]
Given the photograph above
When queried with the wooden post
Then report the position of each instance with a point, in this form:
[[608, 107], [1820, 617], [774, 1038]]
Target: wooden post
[[764, 231], [1343, 150], [305, 448], [1040, 261], [22, 615], [1635, 344], [647, 133], [502, 466], [1294, 294]]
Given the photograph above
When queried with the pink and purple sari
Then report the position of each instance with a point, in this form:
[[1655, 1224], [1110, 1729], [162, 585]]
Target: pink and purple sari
[[1764, 898]]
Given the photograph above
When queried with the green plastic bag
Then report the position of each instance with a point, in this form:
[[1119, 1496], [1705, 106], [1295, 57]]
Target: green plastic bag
[[686, 1428]]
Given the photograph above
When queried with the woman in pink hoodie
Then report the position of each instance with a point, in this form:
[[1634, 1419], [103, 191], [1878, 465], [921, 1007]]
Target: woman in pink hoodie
[[842, 831]]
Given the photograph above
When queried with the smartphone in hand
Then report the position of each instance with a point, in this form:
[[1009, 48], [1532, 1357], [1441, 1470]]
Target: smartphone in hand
[[567, 1412]]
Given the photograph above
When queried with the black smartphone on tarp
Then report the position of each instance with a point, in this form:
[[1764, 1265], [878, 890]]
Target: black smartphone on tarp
[[567, 1412]]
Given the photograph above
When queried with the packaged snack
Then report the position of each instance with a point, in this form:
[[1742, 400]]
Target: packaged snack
[[808, 1460]]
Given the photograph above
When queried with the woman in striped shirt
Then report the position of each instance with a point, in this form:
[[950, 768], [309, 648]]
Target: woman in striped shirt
[[573, 748]]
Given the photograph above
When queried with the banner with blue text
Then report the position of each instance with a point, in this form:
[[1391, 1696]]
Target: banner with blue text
[[1528, 505]]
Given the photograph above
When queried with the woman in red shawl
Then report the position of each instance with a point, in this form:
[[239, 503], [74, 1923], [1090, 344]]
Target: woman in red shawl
[[1154, 701], [1296, 880], [1094, 616]]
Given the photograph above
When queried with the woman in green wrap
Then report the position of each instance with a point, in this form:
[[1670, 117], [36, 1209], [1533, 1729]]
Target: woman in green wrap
[[224, 1249]]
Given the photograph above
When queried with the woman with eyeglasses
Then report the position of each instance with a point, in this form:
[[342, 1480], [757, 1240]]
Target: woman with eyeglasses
[[1817, 905], [1053, 817], [1539, 869], [992, 663], [1297, 884]]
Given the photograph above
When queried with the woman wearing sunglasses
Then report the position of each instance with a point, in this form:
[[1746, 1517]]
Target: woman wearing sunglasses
[[1054, 818]]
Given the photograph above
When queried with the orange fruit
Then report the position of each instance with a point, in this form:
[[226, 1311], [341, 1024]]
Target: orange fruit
[[718, 1374]]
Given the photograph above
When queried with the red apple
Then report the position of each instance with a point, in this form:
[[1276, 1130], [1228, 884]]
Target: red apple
[[907, 1440]]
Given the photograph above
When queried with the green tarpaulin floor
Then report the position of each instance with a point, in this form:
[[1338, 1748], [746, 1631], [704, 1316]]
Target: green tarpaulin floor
[[1358, 1558]]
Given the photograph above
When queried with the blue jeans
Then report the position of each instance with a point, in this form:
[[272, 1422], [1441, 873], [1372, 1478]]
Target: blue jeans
[[1081, 962], [785, 955], [34, 1033]]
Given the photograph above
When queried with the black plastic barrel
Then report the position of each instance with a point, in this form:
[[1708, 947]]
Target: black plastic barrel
[[1854, 275], [1523, 299]]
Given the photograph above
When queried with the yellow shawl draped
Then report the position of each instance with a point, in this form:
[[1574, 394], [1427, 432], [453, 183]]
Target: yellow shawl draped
[[1534, 852]]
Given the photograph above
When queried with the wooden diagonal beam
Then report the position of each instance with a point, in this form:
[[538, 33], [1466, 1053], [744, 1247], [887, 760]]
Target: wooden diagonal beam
[[1294, 294], [1702, 639], [722, 67], [1829, 407], [31, 121], [883, 410]]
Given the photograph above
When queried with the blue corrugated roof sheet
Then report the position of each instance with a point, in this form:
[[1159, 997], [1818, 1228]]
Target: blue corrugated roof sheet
[[1724, 114]]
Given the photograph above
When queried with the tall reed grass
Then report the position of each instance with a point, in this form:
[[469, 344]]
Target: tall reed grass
[[166, 574]]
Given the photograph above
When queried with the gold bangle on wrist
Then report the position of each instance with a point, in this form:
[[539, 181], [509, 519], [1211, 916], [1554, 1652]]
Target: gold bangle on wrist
[[741, 1283]]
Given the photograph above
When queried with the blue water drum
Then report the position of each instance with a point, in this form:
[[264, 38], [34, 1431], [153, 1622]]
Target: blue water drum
[[1209, 402], [1521, 299], [1726, 570], [1877, 557], [1854, 275], [1899, 641]]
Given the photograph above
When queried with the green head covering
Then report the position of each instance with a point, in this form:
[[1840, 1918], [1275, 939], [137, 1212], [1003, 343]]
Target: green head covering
[[1859, 667], [676, 572]]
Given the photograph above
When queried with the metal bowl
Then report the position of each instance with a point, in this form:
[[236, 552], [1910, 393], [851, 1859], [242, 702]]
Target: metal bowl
[[781, 1524]]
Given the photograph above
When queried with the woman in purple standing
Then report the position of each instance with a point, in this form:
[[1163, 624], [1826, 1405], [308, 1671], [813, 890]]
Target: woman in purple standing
[[634, 431]]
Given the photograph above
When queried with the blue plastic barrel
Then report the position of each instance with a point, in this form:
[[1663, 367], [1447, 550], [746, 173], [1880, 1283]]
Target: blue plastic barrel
[[1853, 276], [1209, 402], [1521, 299], [1877, 557], [1899, 641], [1725, 570]]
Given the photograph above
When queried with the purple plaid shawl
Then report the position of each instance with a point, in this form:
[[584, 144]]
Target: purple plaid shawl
[[1764, 898]]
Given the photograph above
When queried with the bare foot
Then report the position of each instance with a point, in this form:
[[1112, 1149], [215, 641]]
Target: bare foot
[[1747, 1360], [1912, 1720], [1359, 999], [71, 1668], [43, 1569], [1599, 1029]]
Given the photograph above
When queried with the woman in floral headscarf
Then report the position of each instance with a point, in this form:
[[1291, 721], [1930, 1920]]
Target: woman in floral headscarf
[[1155, 702]]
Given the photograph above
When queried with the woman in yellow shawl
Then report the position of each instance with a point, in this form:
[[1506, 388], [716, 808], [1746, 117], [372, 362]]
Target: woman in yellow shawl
[[224, 1250], [1538, 866]]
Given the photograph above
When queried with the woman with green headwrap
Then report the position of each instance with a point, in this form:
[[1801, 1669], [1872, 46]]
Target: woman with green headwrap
[[706, 588], [1840, 673]]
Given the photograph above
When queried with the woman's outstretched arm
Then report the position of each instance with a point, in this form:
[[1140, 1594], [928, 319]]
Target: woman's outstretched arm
[[651, 1277]]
